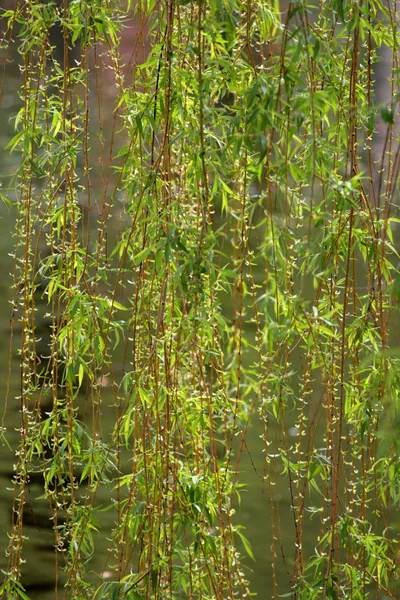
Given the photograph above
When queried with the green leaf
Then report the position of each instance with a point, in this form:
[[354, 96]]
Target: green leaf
[[387, 115], [15, 141], [142, 255], [246, 544], [119, 306], [81, 373], [116, 591]]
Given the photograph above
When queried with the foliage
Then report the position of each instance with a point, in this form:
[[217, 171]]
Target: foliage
[[206, 223]]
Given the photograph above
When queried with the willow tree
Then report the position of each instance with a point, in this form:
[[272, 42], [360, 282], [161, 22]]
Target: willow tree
[[205, 221]]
